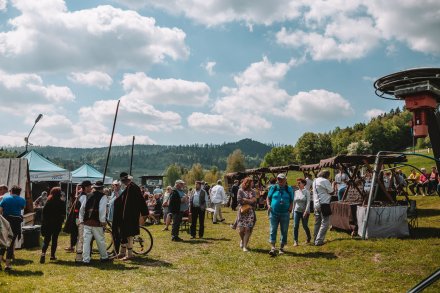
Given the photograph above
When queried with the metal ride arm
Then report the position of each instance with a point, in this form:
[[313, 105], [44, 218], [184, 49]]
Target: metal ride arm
[[431, 279]]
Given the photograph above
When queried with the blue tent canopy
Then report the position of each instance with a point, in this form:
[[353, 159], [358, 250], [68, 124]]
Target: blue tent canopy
[[88, 172], [41, 169]]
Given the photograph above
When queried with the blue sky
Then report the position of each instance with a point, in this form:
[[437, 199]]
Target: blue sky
[[202, 71]]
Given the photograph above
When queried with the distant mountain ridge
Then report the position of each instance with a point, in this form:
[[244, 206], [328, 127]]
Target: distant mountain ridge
[[154, 159]]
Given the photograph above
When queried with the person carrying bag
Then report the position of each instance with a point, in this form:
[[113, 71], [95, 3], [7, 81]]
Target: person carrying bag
[[322, 192]]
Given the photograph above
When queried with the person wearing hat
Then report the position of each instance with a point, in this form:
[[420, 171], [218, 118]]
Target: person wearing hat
[[280, 205], [218, 197], [116, 185], [197, 206], [177, 205], [130, 210], [93, 216], [73, 226]]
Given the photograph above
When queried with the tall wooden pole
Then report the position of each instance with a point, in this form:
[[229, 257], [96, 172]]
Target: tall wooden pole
[[111, 141], [131, 159]]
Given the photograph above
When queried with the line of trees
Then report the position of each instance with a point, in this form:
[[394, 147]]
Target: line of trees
[[389, 131]]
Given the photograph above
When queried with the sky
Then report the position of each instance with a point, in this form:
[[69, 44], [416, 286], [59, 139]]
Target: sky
[[202, 71]]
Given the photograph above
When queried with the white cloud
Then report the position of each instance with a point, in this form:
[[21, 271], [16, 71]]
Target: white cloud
[[28, 92], [209, 67], [372, 113], [92, 78], [59, 130], [45, 36], [143, 89], [318, 105], [343, 39], [413, 22], [218, 12], [257, 96], [3, 5]]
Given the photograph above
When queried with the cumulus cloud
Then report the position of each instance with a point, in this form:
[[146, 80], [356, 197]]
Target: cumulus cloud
[[3, 5], [209, 67], [142, 89], [257, 90], [372, 113], [20, 91], [59, 130], [92, 78], [321, 105], [45, 36], [218, 12]]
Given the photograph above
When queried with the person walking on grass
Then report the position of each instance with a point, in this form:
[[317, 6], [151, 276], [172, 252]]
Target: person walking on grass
[[10, 208], [54, 212], [218, 198], [246, 217], [322, 193], [280, 205], [301, 210]]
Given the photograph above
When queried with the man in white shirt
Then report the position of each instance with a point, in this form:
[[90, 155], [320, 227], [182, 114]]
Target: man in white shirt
[[322, 194], [218, 197], [93, 215]]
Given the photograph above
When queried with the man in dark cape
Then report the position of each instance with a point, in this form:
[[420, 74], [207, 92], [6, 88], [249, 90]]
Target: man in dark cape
[[128, 208]]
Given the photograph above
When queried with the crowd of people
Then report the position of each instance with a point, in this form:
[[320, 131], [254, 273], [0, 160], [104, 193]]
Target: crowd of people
[[126, 206]]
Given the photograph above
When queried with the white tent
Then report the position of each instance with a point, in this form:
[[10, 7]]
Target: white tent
[[88, 172], [41, 169]]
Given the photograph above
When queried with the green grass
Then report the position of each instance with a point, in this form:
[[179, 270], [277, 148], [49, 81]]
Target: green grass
[[216, 264]]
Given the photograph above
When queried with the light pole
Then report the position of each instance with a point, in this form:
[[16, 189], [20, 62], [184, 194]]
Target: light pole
[[26, 139]]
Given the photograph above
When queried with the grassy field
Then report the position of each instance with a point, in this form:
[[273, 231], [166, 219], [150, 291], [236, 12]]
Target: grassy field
[[216, 264]]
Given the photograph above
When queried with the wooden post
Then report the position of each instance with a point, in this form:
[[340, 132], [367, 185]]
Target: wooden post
[[111, 141]]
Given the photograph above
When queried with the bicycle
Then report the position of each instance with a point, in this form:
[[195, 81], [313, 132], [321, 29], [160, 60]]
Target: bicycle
[[142, 243]]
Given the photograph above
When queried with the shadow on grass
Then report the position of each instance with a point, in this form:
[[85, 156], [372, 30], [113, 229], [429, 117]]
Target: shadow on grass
[[326, 255], [115, 265], [195, 241], [25, 273], [424, 213], [424, 233], [149, 262], [218, 239], [22, 262]]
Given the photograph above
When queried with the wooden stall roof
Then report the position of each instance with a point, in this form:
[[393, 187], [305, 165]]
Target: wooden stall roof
[[311, 167], [359, 160], [285, 168], [16, 172]]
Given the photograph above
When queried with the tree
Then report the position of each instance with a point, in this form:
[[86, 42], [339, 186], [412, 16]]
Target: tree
[[194, 174], [361, 147], [312, 147], [212, 175], [173, 173], [235, 162], [279, 156]]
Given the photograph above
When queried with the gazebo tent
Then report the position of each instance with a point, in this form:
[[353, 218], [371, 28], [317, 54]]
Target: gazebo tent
[[88, 172], [41, 169]]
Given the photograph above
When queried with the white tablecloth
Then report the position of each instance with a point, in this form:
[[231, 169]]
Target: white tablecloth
[[384, 222]]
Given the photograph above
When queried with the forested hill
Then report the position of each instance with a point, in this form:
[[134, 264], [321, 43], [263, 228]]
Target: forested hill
[[155, 158]]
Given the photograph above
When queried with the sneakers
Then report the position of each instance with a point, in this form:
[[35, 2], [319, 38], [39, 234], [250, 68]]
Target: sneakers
[[165, 229], [273, 252], [53, 257], [245, 249], [241, 244], [69, 249], [281, 251], [177, 239], [295, 243]]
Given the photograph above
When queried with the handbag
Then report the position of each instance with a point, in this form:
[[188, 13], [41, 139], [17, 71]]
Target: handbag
[[326, 209], [244, 209]]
